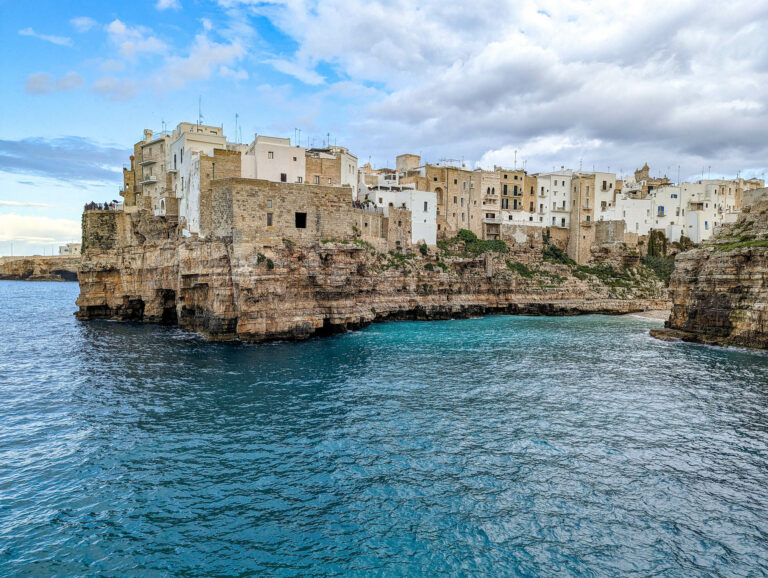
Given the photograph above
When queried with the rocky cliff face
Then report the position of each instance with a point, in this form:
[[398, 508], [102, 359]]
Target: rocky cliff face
[[228, 290], [38, 268], [720, 291]]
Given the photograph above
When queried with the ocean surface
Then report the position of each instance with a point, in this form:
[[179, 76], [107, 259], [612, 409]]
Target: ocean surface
[[497, 446]]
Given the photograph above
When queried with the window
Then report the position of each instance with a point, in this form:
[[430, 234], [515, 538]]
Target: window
[[587, 190], [301, 220], [514, 192], [434, 179], [505, 203], [588, 218], [505, 187], [426, 206], [317, 179], [270, 155], [269, 219], [182, 156], [283, 178], [269, 203], [294, 159], [462, 201], [505, 176], [174, 162], [330, 181], [299, 179], [493, 190], [488, 192], [530, 208], [455, 200], [464, 185], [462, 216], [455, 181], [605, 185]]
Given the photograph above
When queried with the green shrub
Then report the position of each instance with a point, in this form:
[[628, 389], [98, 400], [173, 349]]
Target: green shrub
[[520, 268], [423, 249], [555, 254], [661, 266]]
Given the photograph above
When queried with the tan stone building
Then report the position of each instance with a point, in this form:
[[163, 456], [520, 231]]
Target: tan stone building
[[582, 233]]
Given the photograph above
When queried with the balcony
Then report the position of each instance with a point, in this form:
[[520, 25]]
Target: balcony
[[173, 170], [561, 210], [147, 161], [493, 221], [148, 180]]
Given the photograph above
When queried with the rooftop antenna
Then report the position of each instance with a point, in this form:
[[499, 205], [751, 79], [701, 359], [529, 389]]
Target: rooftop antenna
[[199, 110], [328, 139], [515, 159], [162, 123], [237, 117], [580, 164]]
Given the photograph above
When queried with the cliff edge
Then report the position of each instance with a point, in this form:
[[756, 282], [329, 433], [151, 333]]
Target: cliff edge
[[39, 268], [138, 267], [720, 291]]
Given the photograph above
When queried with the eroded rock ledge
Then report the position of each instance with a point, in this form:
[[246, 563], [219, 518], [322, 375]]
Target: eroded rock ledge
[[39, 268], [228, 290], [720, 291]]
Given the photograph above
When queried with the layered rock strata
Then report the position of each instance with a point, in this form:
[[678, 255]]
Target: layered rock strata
[[142, 270], [39, 268], [720, 291]]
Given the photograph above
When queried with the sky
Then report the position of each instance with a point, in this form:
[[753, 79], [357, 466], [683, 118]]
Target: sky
[[596, 84]]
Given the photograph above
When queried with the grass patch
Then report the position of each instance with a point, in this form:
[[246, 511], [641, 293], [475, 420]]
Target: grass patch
[[741, 244]]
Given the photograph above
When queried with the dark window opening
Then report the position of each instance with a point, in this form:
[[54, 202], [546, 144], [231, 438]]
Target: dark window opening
[[269, 219], [283, 178], [301, 220]]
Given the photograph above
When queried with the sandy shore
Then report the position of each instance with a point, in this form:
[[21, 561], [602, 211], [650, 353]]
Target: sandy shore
[[660, 314]]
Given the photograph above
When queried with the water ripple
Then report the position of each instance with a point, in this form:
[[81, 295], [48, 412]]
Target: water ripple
[[513, 446]]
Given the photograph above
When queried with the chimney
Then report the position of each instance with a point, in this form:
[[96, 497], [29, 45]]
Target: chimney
[[147, 135]]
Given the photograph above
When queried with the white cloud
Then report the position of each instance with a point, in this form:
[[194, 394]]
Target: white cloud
[[40, 230], [302, 73], [44, 83], [60, 40], [132, 41], [205, 57], [166, 4], [237, 74], [559, 80], [116, 89], [83, 23], [22, 204]]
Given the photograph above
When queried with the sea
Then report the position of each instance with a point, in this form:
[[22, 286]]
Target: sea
[[504, 446]]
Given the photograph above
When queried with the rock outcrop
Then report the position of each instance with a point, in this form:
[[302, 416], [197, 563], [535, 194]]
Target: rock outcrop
[[141, 269], [720, 291], [39, 268]]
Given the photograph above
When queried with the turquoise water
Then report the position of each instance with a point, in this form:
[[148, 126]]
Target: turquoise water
[[502, 445]]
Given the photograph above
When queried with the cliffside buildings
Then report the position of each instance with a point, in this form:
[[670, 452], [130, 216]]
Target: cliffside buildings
[[279, 190]]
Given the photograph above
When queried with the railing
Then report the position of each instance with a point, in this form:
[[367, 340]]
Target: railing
[[369, 208], [148, 179]]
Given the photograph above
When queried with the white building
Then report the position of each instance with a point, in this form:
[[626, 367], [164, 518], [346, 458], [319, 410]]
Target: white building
[[554, 198], [70, 249], [421, 204], [188, 142], [274, 159]]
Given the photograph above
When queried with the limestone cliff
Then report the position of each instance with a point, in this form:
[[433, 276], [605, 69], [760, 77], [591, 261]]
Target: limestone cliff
[[39, 268], [141, 269], [720, 291]]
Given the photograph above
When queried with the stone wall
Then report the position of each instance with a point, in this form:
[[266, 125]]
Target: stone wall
[[327, 171], [223, 164], [609, 232], [265, 212]]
